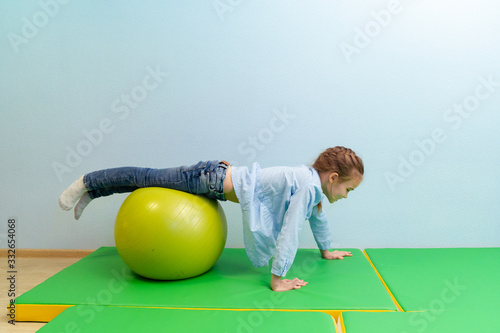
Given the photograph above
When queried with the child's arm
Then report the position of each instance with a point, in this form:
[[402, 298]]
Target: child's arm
[[334, 254], [321, 230], [287, 241], [277, 284], [322, 235]]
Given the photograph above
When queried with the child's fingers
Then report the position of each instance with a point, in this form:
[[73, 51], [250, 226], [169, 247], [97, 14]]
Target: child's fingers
[[341, 254], [298, 282]]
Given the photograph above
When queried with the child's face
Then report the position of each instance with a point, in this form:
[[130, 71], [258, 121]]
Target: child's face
[[335, 188]]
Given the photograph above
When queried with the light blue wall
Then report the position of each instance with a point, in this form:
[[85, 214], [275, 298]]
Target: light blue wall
[[269, 81]]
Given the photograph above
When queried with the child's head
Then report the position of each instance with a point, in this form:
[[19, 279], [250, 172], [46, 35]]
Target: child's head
[[340, 171]]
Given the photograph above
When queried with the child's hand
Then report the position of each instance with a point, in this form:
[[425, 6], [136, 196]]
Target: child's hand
[[277, 284], [335, 254]]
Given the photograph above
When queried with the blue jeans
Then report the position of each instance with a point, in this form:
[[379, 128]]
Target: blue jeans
[[205, 178]]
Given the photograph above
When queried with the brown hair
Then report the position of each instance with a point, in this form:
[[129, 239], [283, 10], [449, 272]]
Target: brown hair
[[340, 160]]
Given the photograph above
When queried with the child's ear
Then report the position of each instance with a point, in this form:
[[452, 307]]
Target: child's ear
[[333, 177]]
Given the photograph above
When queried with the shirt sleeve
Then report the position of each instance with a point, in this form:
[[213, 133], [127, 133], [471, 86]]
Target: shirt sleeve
[[288, 238], [321, 229]]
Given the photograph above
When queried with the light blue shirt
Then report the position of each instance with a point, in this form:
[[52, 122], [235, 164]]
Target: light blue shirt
[[275, 203]]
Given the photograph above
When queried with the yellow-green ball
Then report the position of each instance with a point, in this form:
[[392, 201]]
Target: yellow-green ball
[[165, 234]]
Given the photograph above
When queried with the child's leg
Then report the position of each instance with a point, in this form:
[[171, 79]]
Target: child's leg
[[204, 178], [87, 197], [119, 180]]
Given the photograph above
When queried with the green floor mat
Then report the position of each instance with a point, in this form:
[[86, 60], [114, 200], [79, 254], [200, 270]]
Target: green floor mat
[[96, 319], [447, 279], [233, 283], [452, 321]]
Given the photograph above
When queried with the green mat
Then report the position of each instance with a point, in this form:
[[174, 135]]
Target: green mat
[[487, 321], [233, 283], [447, 279], [114, 319]]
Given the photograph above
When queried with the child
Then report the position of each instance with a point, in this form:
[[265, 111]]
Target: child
[[275, 201]]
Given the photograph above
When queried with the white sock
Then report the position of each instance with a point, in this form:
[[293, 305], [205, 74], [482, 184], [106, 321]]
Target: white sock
[[80, 206], [71, 195]]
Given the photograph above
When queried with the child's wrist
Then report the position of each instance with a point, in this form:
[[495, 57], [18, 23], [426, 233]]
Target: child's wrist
[[275, 281]]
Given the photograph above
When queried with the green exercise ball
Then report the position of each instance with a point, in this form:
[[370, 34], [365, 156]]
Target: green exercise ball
[[165, 234]]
